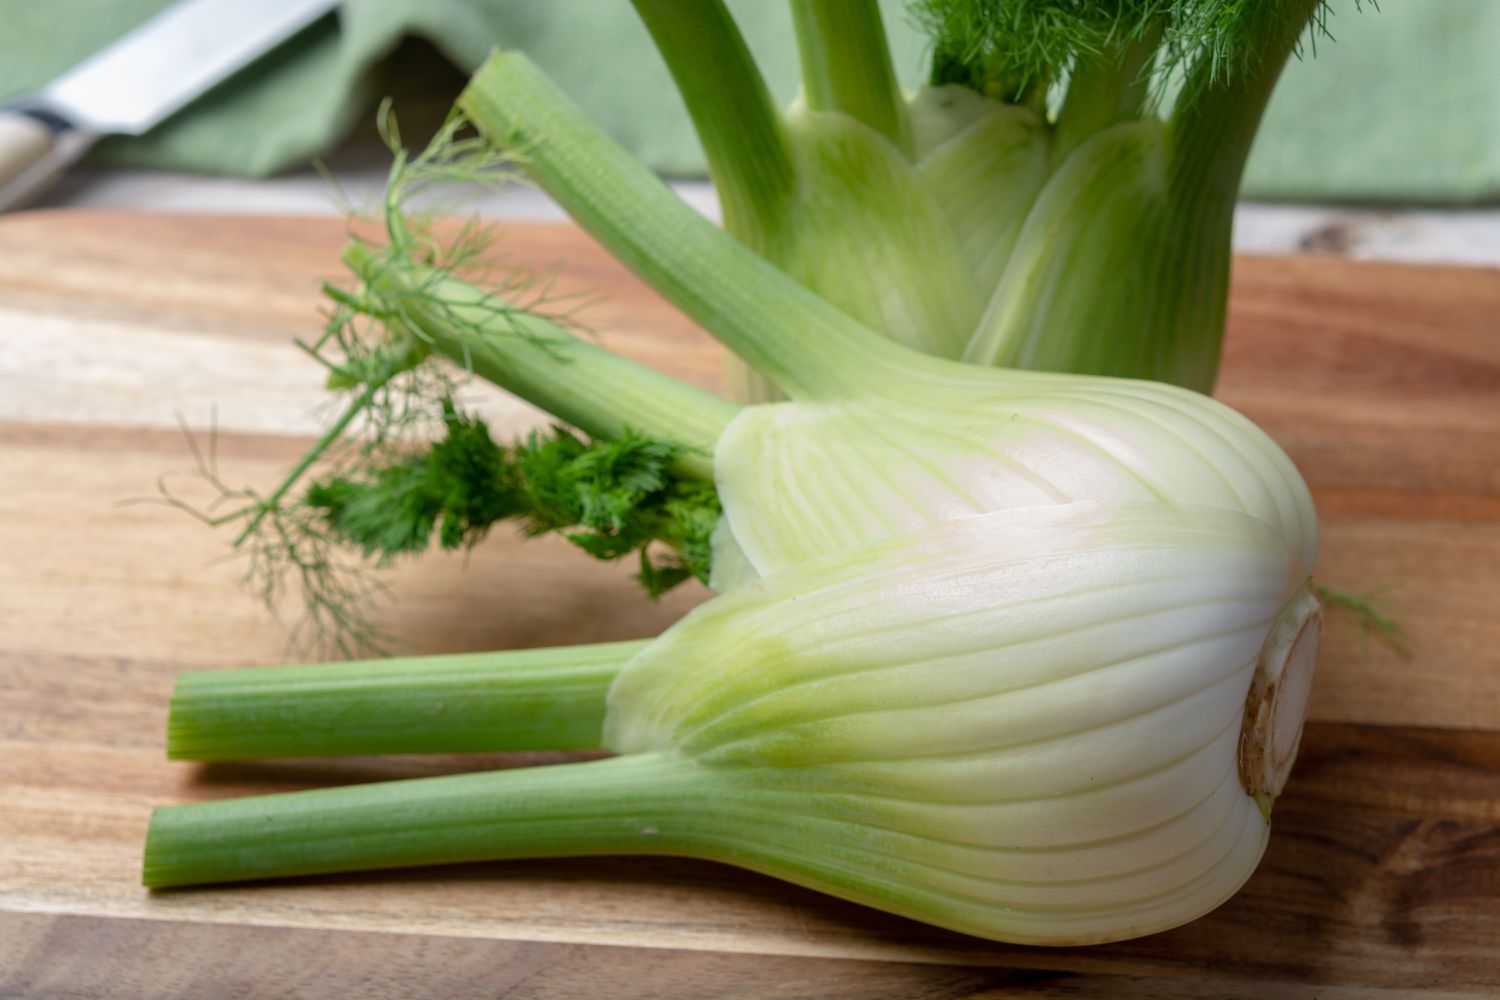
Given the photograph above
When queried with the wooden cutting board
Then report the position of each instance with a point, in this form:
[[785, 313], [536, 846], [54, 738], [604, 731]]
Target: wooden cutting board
[[1383, 874]]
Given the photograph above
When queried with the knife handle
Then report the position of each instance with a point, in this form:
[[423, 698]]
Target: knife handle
[[23, 141], [35, 148]]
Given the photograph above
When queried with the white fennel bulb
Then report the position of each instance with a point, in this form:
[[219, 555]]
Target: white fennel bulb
[[1027, 725], [803, 479]]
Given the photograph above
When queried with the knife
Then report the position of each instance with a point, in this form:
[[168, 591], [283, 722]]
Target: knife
[[137, 82]]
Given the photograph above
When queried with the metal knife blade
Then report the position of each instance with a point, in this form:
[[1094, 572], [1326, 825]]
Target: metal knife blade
[[137, 82], [175, 56]]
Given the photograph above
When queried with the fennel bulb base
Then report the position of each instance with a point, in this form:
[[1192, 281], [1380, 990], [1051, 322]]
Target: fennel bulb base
[[1276, 707]]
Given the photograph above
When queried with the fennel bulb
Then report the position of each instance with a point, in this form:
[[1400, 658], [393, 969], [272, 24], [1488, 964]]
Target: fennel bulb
[[1021, 653], [1025, 726]]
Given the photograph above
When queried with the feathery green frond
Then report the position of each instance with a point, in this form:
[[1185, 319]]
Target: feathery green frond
[[1003, 47], [400, 467], [610, 498]]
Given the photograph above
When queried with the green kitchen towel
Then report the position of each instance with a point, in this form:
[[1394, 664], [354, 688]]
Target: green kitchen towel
[[1403, 107]]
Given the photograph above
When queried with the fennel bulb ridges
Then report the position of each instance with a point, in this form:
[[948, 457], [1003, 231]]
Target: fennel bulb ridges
[[803, 479], [1043, 705]]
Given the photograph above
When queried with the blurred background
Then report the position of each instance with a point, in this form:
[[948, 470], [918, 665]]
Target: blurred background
[[1383, 141]]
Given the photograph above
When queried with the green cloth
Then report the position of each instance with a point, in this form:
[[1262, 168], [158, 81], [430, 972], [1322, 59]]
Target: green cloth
[[1405, 107]]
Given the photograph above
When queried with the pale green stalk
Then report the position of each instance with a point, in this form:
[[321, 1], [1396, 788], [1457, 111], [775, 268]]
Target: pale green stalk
[[1105, 89], [1210, 137], [615, 806], [846, 65], [591, 388], [805, 345], [544, 699], [732, 109]]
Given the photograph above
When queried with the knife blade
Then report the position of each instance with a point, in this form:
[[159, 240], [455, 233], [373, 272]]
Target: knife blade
[[137, 82]]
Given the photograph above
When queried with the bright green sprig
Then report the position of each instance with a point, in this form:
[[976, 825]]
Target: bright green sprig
[[610, 498], [451, 489], [614, 498], [401, 468]]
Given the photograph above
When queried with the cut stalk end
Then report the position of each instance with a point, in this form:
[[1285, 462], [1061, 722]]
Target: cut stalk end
[[1276, 707]]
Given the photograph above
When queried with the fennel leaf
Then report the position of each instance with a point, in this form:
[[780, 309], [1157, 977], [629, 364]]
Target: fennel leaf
[[610, 498]]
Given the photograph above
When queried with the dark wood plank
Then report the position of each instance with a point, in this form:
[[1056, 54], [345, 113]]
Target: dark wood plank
[[94, 958]]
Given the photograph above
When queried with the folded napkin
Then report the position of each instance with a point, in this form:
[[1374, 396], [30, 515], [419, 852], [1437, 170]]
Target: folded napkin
[[1403, 107]]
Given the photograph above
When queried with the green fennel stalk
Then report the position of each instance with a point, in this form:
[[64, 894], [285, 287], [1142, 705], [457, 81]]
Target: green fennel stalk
[[514, 700]]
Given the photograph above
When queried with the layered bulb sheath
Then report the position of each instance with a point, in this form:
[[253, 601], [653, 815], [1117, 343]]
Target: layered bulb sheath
[[804, 479], [1026, 726]]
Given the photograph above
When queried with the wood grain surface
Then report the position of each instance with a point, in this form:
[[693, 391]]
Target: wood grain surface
[[1383, 874]]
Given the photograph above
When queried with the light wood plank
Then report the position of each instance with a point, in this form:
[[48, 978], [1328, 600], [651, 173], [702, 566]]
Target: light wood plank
[[1382, 382]]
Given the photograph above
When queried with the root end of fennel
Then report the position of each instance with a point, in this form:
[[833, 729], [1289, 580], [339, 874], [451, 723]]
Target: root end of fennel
[[1276, 706]]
